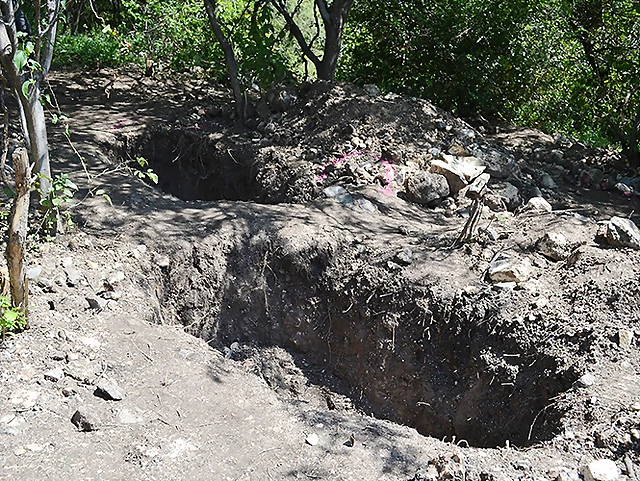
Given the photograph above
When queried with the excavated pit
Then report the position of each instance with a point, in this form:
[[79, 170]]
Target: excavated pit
[[451, 365], [417, 352], [218, 166]]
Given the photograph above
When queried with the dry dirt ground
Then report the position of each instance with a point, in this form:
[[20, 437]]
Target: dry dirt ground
[[239, 322]]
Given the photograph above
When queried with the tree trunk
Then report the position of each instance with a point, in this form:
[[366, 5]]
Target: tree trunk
[[38, 144], [18, 231], [230, 57]]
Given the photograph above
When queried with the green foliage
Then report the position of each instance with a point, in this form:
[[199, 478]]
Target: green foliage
[[147, 174], [62, 190], [96, 48], [12, 319]]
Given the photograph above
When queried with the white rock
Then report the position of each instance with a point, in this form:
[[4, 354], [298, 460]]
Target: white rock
[[620, 232], [54, 375], [625, 338], [601, 470], [312, 439], [624, 188], [455, 179], [90, 342], [116, 278], [586, 380], [553, 245], [24, 399], [538, 204], [506, 269]]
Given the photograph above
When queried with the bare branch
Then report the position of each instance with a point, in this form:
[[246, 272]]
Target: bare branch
[[295, 31]]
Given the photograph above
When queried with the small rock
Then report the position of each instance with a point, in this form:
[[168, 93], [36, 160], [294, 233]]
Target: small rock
[[116, 278], [162, 261], [68, 391], [54, 375], [72, 356], [601, 470], [34, 273], [404, 257], [96, 302], [24, 399], [625, 338], [619, 232], [109, 390], [511, 196], [624, 188], [570, 476], [424, 187], [128, 417], [586, 380], [553, 245], [334, 191], [541, 303], [74, 276], [506, 269], [19, 451], [522, 464], [85, 419], [537, 204], [312, 439], [453, 176], [547, 182]]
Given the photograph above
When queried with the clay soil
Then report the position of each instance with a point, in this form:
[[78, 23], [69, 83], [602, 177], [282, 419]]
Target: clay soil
[[243, 308]]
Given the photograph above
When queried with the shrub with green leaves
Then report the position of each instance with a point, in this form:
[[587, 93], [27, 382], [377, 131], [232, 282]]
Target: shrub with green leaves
[[11, 318]]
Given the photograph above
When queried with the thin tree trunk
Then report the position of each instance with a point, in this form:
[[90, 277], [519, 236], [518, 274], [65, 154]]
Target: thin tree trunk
[[18, 222], [38, 144], [232, 64]]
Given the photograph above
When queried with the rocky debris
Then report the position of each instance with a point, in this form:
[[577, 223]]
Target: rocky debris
[[114, 279], [554, 246], [494, 202], [54, 375], [96, 302], [625, 338], [85, 419], [498, 164], [586, 380], [601, 470], [619, 232], [372, 89], [507, 269], [455, 179], [446, 467], [537, 204], [624, 188], [404, 257], [510, 195], [425, 188], [547, 182], [109, 390], [312, 439], [24, 399]]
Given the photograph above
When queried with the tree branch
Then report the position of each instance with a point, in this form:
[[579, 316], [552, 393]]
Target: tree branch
[[295, 31]]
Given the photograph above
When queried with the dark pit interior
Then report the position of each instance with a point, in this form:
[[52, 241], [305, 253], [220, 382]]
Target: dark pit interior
[[439, 363]]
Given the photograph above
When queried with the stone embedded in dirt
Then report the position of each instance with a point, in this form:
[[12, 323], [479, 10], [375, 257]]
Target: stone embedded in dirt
[[478, 186], [372, 89], [537, 204], [85, 419], [454, 177], [498, 164], [424, 187], [601, 470], [312, 439], [109, 390], [54, 375], [553, 245], [619, 232], [162, 261], [625, 338], [547, 182], [494, 202], [404, 257], [510, 195], [96, 302], [586, 380], [624, 188], [74, 276], [568, 476], [507, 269]]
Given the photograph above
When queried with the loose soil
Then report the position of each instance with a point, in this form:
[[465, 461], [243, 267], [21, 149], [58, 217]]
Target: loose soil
[[246, 309]]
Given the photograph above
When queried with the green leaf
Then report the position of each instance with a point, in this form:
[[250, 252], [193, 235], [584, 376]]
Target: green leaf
[[25, 87], [10, 316], [152, 176], [20, 59], [55, 119]]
